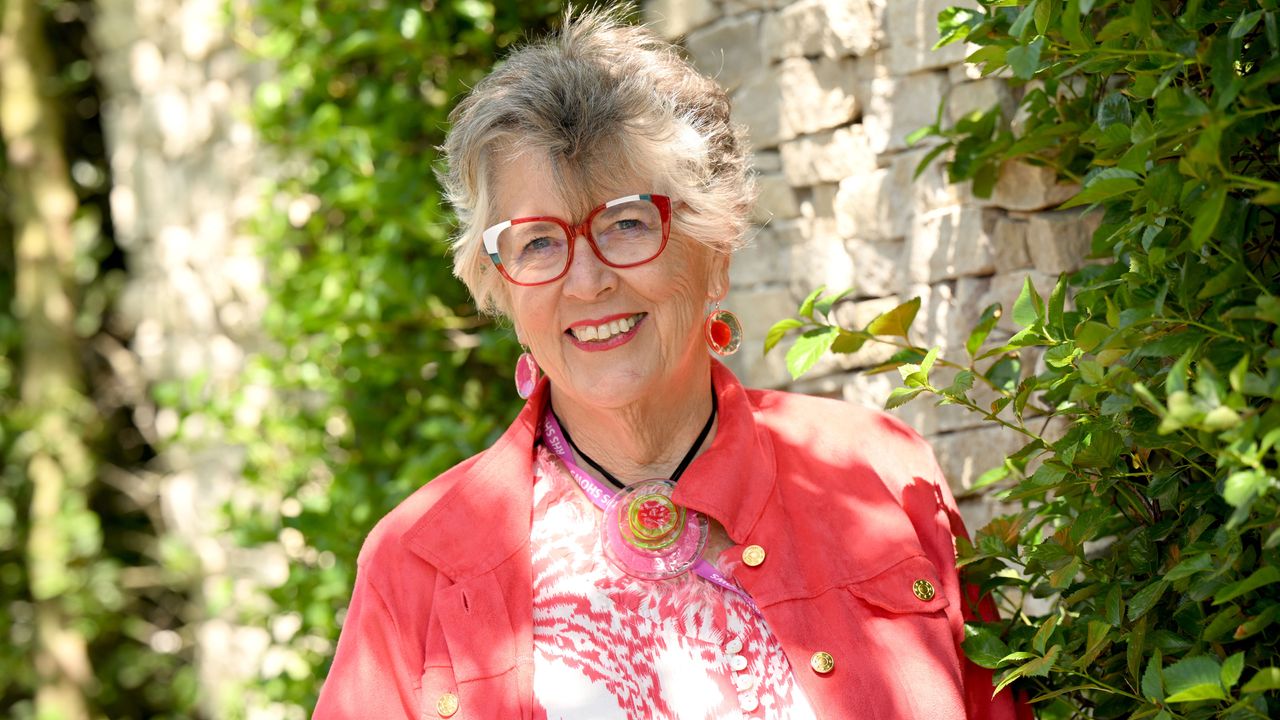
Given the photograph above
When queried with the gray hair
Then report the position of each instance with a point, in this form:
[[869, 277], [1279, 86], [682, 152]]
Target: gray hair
[[597, 97]]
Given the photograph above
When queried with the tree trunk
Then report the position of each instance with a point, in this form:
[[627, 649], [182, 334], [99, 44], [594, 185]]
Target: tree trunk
[[58, 465]]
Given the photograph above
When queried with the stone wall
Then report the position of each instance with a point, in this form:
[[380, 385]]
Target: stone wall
[[829, 91], [186, 173]]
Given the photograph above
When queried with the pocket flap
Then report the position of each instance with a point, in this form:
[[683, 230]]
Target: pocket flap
[[910, 586]]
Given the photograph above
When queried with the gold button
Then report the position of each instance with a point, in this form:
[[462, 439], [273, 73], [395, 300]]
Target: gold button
[[822, 662], [923, 589], [753, 555], [447, 705]]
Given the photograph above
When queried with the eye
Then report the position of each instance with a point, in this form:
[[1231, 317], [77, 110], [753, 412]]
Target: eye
[[538, 243]]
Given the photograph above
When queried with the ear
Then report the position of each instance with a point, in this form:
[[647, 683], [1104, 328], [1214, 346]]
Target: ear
[[718, 276]]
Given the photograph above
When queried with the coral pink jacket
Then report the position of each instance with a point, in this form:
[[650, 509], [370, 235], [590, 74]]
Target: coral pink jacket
[[847, 503]]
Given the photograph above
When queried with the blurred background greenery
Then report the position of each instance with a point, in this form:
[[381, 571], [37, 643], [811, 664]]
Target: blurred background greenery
[[379, 373]]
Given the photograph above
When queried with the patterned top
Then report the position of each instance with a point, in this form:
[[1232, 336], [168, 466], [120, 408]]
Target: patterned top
[[608, 646]]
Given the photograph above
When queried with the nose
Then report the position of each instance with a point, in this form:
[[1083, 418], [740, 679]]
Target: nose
[[588, 277]]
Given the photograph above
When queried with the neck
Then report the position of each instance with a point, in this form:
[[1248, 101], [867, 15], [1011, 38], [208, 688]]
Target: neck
[[642, 440]]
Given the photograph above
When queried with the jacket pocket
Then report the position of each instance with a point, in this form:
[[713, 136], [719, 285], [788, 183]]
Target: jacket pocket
[[907, 649], [910, 586], [436, 683]]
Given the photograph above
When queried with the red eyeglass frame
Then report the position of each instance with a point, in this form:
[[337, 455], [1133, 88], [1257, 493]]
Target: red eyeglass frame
[[491, 234]]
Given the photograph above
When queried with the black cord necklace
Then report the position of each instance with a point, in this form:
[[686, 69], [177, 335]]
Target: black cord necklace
[[688, 457]]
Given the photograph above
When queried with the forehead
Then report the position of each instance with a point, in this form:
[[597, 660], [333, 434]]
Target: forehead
[[529, 183]]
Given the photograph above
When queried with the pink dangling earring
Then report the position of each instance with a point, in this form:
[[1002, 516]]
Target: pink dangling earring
[[527, 372], [723, 331]]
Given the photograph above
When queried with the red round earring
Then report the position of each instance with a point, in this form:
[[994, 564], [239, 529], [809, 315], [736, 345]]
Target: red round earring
[[723, 331]]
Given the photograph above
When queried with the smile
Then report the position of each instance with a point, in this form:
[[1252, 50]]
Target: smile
[[605, 335], [604, 331]]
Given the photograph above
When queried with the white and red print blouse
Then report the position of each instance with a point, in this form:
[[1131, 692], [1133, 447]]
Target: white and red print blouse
[[608, 646]]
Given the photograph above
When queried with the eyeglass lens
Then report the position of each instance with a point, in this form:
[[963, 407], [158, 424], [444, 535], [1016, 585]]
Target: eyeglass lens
[[624, 234]]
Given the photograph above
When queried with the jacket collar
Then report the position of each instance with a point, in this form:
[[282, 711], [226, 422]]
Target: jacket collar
[[484, 514]]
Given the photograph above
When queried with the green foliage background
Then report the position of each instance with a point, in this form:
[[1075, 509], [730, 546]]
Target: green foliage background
[[385, 375], [1141, 579]]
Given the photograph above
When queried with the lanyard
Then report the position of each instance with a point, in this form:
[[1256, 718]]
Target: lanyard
[[599, 494]]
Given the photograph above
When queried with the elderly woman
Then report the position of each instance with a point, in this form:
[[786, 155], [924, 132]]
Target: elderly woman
[[648, 539]]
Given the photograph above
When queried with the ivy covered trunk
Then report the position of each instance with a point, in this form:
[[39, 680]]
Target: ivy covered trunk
[[57, 463]]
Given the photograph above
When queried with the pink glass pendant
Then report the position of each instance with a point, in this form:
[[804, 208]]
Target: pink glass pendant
[[526, 375], [648, 536], [723, 332]]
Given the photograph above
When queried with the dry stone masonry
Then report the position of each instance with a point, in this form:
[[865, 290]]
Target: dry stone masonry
[[829, 91]]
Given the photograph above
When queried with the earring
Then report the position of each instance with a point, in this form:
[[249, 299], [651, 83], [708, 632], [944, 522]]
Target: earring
[[527, 372], [723, 331]]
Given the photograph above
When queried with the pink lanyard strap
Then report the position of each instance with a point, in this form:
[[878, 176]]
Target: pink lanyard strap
[[599, 494]]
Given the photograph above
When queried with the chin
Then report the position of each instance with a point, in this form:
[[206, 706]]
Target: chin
[[615, 388]]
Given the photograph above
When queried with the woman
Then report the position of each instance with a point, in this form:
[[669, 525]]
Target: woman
[[648, 539]]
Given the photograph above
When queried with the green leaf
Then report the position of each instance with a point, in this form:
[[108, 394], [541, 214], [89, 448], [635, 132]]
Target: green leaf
[[1232, 668], [1025, 59], [1043, 15], [1097, 638], [995, 474], [929, 358], [1118, 28], [1152, 680], [1194, 678], [1146, 598], [1023, 22], [1040, 667], [921, 133], [990, 316], [960, 385], [1028, 309], [1036, 667], [806, 307], [990, 57], [901, 396], [1114, 110], [1189, 566], [1243, 486], [983, 646], [1105, 185], [1207, 216], [1244, 24], [778, 331], [849, 342], [1057, 303], [1268, 678], [1260, 578], [1071, 29], [824, 304], [896, 321], [809, 348]]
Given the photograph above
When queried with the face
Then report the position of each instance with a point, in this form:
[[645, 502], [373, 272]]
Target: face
[[664, 300]]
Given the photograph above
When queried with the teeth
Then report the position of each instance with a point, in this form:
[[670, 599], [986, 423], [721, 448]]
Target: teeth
[[598, 333]]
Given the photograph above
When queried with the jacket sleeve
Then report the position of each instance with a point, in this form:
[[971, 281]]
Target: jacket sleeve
[[370, 677], [947, 526]]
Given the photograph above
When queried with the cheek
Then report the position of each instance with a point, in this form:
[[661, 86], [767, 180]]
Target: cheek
[[528, 315]]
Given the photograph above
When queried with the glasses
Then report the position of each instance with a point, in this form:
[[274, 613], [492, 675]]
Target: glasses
[[623, 233]]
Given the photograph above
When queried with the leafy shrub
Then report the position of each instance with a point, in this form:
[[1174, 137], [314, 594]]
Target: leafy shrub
[[1149, 525]]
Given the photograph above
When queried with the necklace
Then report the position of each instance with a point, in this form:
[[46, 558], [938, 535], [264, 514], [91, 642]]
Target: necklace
[[643, 532], [684, 462]]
